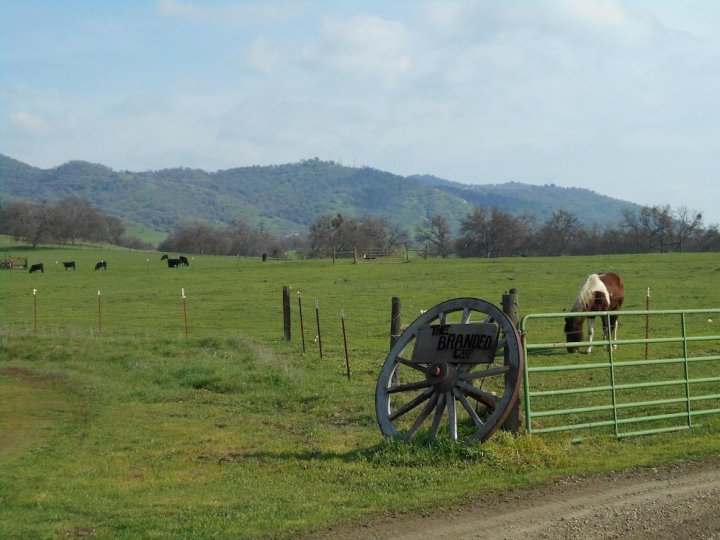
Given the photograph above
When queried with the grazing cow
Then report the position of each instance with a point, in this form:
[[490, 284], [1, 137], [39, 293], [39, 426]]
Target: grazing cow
[[70, 264], [164, 257], [173, 263], [37, 267], [102, 265], [184, 260]]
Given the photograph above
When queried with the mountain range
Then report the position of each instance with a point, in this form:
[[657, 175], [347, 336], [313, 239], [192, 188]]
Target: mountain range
[[286, 199]]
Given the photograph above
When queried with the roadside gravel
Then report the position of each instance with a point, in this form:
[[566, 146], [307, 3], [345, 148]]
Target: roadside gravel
[[680, 501]]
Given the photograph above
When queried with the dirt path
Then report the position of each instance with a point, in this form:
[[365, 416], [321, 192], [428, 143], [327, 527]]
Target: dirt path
[[671, 502]]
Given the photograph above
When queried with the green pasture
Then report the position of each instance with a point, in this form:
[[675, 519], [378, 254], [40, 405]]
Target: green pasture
[[128, 411]]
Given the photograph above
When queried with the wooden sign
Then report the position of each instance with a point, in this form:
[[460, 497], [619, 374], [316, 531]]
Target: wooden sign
[[473, 343]]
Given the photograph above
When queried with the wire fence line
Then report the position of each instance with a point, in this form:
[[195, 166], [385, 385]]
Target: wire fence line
[[319, 327]]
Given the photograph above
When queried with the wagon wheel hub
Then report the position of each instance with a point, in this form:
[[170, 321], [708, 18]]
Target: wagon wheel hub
[[442, 375]]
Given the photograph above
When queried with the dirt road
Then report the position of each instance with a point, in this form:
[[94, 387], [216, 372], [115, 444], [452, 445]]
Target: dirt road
[[670, 502]]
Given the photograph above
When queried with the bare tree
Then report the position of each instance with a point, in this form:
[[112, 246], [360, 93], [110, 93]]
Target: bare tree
[[559, 232], [687, 225], [633, 227], [331, 234], [437, 233], [74, 218], [473, 241], [662, 228], [30, 223]]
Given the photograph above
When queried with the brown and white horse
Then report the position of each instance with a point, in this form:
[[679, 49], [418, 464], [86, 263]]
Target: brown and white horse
[[601, 292]]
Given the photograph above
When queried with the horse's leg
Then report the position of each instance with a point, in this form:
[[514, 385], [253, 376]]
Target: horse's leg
[[591, 332], [606, 329], [614, 329]]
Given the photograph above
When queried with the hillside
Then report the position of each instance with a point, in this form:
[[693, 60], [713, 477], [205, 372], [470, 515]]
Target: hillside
[[285, 199]]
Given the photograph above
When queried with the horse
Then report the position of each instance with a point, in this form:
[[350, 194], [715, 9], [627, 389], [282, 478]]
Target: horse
[[600, 292], [39, 267], [68, 265], [102, 265]]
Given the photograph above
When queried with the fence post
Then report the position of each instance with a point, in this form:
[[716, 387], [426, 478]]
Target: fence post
[[511, 309], [347, 357], [99, 315], [34, 291], [184, 305], [302, 326], [317, 321], [647, 321], [286, 311]]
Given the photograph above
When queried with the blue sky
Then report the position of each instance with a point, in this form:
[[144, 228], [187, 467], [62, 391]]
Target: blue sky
[[621, 97]]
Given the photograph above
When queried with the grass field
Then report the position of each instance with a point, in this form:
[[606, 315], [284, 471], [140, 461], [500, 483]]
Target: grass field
[[127, 411]]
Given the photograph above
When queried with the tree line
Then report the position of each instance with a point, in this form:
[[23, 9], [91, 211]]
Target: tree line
[[483, 232], [493, 232], [68, 221]]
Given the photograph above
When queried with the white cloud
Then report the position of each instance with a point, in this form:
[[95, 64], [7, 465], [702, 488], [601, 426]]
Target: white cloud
[[363, 45], [263, 55], [231, 13], [30, 124]]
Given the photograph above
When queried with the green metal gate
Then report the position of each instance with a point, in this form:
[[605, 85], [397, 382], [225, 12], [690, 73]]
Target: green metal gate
[[663, 376]]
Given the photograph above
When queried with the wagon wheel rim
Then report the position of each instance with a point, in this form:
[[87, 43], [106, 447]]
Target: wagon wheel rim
[[427, 399]]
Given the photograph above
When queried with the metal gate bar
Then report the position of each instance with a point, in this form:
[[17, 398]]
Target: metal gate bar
[[611, 367]]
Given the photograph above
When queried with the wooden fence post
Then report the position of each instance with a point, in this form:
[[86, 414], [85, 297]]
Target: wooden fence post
[[511, 309], [286, 312]]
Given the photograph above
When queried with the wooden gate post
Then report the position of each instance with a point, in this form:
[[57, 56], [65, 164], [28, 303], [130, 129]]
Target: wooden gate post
[[511, 309], [286, 311]]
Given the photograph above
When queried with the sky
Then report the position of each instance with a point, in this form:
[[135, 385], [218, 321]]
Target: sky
[[620, 97]]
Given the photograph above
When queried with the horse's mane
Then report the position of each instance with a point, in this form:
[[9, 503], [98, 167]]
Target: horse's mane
[[587, 292]]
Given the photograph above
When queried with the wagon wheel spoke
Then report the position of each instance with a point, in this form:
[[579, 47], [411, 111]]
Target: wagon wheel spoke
[[486, 398], [469, 408], [422, 416], [412, 404], [413, 365], [452, 415], [437, 418], [472, 375], [410, 386]]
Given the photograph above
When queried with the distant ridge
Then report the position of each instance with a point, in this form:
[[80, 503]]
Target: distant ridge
[[286, 199]]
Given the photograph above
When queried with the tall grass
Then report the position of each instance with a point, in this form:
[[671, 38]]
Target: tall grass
[[133, 429]]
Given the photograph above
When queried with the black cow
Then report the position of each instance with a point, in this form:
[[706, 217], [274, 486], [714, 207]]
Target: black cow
[[184, 260], [164, 257], [70, 264], [102, 265], [37, 267], [173, 263]]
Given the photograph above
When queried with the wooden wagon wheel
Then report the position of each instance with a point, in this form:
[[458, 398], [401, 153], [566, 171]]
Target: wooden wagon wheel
[[457, 367]]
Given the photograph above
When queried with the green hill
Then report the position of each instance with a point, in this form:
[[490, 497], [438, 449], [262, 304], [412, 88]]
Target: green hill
[[286, 199]]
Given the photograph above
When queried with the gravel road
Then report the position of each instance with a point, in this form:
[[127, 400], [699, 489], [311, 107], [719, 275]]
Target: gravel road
[[680, 501]]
